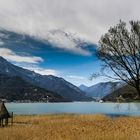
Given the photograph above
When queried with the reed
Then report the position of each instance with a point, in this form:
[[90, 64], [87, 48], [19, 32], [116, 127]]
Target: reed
[[72, 127]]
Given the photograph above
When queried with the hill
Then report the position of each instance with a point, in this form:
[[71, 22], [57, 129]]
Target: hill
[[123, 94], [14, 88]]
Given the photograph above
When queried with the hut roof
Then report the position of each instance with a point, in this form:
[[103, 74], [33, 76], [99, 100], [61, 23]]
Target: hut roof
[[3, 111]]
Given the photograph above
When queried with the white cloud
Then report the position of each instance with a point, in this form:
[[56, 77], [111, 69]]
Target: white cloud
[[88, 19], [76, 77], [66, 41], [78, 80], [1, 43], [38, 69], [12, 56], [44, 71]]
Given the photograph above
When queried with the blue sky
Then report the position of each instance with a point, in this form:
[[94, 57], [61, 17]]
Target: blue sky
[[75, 68], [59, 37]]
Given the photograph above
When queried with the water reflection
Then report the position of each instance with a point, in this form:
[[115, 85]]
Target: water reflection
[[127, 106], [117, 107], [137, 106]]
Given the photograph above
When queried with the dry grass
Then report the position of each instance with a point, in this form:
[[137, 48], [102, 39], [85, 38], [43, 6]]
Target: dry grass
[[72, 127]]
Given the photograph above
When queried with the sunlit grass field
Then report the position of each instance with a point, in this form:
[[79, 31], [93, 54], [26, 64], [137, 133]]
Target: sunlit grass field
[[72, 127]]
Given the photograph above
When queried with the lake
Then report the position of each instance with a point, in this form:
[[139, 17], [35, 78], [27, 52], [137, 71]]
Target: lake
[[113, 109]]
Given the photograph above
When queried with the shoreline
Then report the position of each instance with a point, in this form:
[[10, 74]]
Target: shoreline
[[135, 101]]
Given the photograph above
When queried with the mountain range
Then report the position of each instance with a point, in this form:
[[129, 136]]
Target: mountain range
[[14, 88], [18, 84], [100, 90], [54, 84]]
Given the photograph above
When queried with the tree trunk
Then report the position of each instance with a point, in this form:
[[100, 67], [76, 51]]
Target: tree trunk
[[138, 91]]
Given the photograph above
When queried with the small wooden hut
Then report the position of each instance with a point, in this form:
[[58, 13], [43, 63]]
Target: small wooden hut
[[4, 115]]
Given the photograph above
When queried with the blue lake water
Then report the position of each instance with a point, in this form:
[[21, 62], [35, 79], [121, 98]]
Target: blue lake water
[[130, 109]]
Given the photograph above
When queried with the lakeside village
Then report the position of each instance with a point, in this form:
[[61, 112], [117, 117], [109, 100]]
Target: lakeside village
[[44, 100]]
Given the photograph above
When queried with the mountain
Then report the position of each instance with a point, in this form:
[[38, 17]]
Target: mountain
[[100, 90], [123, 94], [14, 88], [52, 83], [83, 87]]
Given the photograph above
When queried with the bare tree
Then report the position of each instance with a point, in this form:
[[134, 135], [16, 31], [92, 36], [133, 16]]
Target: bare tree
[[119, 50]]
